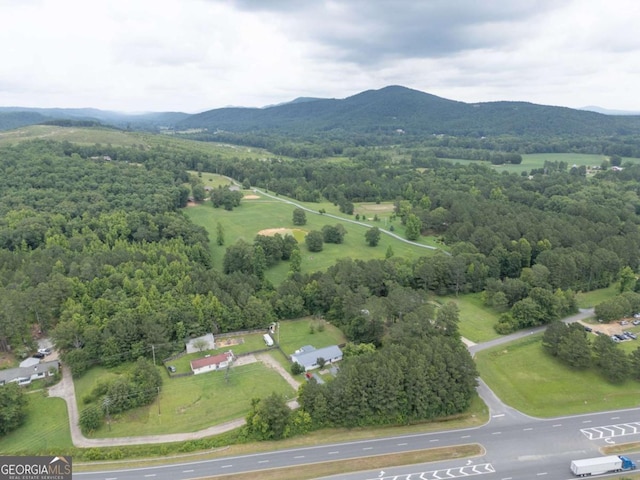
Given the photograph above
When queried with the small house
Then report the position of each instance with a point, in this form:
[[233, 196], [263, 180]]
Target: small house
[[212, 362], [308, 356], [24, 375]]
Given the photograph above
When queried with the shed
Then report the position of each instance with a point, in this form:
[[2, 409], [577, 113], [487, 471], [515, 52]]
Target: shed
[[208, 338]]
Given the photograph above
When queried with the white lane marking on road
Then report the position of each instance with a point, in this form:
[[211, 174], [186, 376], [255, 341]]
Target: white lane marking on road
[[299, 456], [434, 440], [498, 415], [368, 448], [402, 444], [226, 466], [615, 418], [187, 471], [587, 421], [496, 433], [465, 436], [333, 453], [541, 473], [557, 425], [263, 461], [150, 475], [527, 429]]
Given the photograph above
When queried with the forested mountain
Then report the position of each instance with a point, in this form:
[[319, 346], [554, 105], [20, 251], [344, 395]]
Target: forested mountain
[[392, 114], [403, 111]]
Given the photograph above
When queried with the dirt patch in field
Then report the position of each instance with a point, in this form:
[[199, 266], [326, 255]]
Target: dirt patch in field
[[229, 342], [269, 232], [251, 197], [610, 328]]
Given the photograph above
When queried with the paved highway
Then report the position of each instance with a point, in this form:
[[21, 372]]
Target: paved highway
[[518, 447]]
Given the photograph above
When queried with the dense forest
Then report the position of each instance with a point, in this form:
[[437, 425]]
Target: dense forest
[[100, 249], [95, 251]]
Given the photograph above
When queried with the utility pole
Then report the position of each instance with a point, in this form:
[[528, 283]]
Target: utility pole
[[106, 402], [153, 350], [158, 399]]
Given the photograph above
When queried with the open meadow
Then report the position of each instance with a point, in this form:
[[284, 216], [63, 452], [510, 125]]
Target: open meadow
[[257, 214]]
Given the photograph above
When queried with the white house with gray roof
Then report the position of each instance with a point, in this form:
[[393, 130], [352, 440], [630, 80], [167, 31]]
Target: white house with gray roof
[[24, 375], [308, 356]]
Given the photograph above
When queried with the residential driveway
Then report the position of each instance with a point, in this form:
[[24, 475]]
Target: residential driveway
[[269, 361], [65, 389]]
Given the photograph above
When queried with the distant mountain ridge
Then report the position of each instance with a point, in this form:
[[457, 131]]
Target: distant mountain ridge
[[403, 110], [392, 110], [16, 117]]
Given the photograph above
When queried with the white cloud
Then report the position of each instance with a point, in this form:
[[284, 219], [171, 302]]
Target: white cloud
[[192, 55]]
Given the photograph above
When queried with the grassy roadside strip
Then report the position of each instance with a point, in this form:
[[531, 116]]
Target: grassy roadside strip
[[228, 444], [324, 469]]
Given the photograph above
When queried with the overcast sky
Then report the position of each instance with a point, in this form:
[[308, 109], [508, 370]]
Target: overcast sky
[[195, 55]]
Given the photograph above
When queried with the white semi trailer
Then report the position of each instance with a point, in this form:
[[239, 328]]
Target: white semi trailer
[[599, 465]]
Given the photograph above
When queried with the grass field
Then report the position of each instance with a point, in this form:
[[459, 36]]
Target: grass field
[[536, 160], [188, 404], [46, 428], [526, 378], [263, 213], [593, 298], [476, 319]]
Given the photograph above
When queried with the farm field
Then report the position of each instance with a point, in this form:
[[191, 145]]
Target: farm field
[[526, 378]]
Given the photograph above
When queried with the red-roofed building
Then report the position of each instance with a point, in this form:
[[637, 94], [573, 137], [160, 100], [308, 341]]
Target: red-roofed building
[[211, 362]]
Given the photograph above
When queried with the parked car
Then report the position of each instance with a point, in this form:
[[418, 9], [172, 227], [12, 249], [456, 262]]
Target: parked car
[[620, 337], [588, 329], [45, 351], [171, 369], [615, 338], [632, 335], [636, 322], [624, 322], [38, 355]]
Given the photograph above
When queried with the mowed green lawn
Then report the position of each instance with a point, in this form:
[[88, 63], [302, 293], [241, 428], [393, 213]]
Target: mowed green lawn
[[526, 378], [46, 428], [476, 319], [255, 215], [189, 404], [297, 333]]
